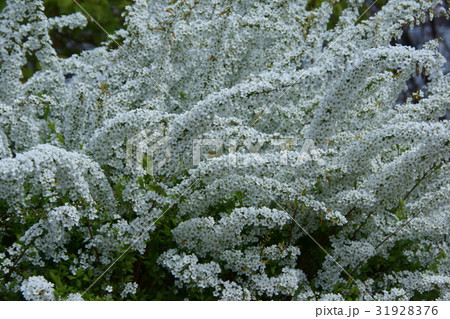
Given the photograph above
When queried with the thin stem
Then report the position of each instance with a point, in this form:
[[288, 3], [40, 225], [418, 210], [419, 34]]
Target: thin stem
[[292, 226], [91, 235]]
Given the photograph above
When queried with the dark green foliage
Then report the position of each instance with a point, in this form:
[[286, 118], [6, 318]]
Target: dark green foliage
[[106, 12]]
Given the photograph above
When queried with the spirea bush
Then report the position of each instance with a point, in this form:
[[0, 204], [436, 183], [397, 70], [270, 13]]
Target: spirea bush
[[315, 183]]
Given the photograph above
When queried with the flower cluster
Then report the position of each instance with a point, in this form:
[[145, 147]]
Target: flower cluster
[[129, 289], [363, 216]]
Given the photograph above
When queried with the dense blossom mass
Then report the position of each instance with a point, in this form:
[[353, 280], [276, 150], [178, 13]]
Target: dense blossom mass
[[363, 215]]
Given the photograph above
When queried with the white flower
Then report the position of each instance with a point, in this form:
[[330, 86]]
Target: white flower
[[37, 288], [130, 288]]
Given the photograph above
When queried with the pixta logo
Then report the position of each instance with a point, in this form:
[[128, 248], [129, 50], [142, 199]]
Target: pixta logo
[[308, 152], [148, 151]]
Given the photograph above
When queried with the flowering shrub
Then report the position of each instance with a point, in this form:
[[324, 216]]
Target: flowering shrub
[[256, 220]]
